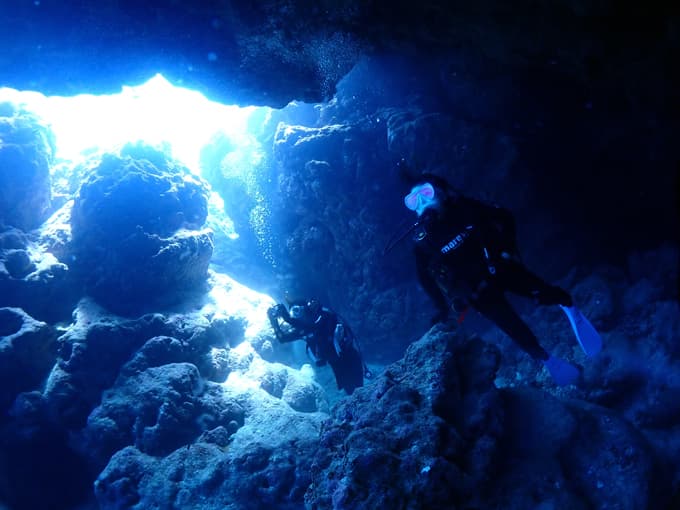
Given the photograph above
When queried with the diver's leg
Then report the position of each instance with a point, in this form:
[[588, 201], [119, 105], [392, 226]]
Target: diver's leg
[[495, 307], [515, 277]]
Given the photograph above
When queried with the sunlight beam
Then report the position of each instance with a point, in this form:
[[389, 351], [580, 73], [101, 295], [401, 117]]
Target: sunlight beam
[[155, 112]]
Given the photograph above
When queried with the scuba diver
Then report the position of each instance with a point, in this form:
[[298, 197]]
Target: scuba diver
[[466, 255], [329, 340]]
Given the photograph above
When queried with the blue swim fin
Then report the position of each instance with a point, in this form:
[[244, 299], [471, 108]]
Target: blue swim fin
[[562, 372], [587, 336]]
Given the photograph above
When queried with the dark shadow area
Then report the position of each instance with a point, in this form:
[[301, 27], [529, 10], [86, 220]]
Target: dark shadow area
[[40, 471]]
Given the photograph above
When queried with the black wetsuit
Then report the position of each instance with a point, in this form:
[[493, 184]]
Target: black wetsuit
[[347, 366], [466, 252]]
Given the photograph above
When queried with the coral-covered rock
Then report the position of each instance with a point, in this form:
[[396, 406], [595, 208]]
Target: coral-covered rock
[[99, 347], [27, 352], [49, 293], [434, 432], [92, 351], [18, 263], [147, 382], [573, 450], [427, 428], [209, 477], [302, 395], [334, 212], [595, 298], [54, 234], [258, 456], [157, 410], [31, 278], [15, 262], [136, 232], [26, 152], [13, 239], [297, 144]]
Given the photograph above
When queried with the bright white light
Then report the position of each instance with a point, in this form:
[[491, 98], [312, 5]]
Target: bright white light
[[228, 298], [156, 112]]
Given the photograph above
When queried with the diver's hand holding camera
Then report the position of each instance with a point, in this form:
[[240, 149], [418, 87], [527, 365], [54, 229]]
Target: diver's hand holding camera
[[275, 311]]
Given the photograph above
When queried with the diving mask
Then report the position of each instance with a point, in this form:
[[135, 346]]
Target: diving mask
[[420, 198]]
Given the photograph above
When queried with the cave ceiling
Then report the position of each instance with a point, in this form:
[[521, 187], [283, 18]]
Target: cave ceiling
[[272, 52]]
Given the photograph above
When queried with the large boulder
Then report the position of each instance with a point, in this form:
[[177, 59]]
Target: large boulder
[[434, 432], [334, 212], [99, 347], [26, 151], [260, 456], [158, 410], [425, 432], [136, 226]]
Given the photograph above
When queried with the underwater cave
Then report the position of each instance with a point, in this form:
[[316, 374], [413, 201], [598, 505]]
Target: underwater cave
[[181, 186]]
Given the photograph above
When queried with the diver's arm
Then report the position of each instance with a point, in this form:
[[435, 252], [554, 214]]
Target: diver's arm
[[284, 336], [430, 285], [295, 322]]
